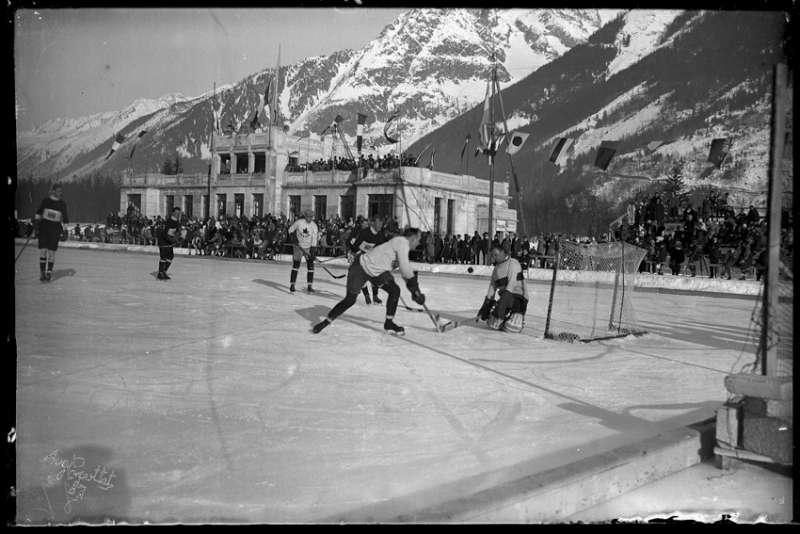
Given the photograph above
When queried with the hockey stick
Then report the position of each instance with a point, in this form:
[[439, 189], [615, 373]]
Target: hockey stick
[[23, 246], [433, 319], [409, 308], [449, 325], [337, 276]]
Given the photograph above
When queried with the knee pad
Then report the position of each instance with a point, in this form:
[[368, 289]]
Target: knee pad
[[515, 323], [495, 323], [295, 264]]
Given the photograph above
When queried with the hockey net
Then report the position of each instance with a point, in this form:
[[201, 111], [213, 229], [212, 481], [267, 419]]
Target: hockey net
[[591, 295]]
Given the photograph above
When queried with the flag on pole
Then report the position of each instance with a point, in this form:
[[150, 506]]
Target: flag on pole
[[421, 153], [516, 142], [136, 143], [265, 102], [466, 142], [362, 121], [718, 152], [431, 163], [486, 126], [559, 154], [118, 140], [215, 109], [604, 154], [386, 129]]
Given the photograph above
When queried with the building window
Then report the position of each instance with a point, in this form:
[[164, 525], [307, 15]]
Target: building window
[[238, 204], [135, 201], [260, 166], [437, 215], [381, 205], [294, 206], [170, 204], [320, 207], [451, 215], [188, 205], [347, 207], [206, 213], [258, 204], [221, 201], [224, 164], [241, 163]]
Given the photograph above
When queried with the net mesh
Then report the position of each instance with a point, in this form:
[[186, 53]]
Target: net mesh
[[598, 302]]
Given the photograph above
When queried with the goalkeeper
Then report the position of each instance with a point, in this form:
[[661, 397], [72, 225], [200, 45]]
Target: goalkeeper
[[507, 299]]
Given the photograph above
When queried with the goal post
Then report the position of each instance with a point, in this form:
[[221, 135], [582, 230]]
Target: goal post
[[591, 293]]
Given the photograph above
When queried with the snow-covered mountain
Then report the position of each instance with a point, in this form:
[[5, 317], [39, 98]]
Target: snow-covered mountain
[[674, 80], [429, 65]]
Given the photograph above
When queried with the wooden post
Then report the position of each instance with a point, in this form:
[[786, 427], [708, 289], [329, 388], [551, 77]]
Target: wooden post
[[769, 337]]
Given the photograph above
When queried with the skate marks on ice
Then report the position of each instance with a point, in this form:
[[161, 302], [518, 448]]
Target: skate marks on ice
[[284, 288], [77, 485]]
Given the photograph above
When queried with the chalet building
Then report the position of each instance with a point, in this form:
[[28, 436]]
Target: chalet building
[[250, 175]]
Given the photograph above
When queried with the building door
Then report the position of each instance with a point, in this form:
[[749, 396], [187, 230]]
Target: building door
[[258, 204], [381, 205], [238, 204], [451, 215], [170, 204], [221, 201], [188, 205], [320, 207], [294, 206], [347, 207], [205, 207], [136, 201]]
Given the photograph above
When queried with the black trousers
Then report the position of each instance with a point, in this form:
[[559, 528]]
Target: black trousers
[[356, 278]]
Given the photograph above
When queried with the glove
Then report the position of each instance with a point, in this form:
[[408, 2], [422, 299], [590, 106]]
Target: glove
[[413, 286], [486, 309]]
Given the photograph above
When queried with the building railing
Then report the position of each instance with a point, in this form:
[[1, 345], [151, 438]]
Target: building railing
[[158, 179]]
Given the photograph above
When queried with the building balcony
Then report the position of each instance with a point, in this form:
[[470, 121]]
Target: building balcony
[[164, 180]]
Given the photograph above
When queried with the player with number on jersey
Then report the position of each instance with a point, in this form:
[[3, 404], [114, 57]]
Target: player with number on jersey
[[305, 235]]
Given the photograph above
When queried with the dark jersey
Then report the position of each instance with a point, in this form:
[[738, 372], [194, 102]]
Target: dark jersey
[[53, 212], [366, 240], [169, 233]]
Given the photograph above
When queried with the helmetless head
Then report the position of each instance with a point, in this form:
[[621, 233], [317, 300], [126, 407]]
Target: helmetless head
[[414, 236], [56, 191], [498, 255]]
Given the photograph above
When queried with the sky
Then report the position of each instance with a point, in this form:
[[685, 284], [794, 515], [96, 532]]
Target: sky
[[76, 62]]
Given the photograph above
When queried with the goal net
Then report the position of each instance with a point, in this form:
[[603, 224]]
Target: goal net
[[591, 294]]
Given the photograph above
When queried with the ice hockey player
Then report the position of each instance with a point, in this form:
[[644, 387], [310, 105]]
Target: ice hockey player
[[50, 222], [507, 299], [167, 239], [304, 234], [366, 239], [375, 265]]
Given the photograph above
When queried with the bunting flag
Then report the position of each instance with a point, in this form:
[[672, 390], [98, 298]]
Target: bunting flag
[[253, 121], [604, 154], [118, 140], [516, 142], [215, 109], [362, 121], [559, 154], [136, 143], [718, 152], [466, 142], [264, 101], [386, 129], [431, 163]]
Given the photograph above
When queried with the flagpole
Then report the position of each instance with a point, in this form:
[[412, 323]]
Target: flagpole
[[491, 148]]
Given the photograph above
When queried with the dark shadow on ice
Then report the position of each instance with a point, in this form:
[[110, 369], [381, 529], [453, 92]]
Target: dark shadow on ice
[[281, 288], [61, 273], [300, 289], [313, 314], [81, 484]]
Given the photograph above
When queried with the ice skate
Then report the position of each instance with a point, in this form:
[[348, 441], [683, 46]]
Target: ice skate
[[393, 329], [320, 325]]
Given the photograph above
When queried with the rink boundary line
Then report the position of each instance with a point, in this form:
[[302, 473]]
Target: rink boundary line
[[645, 283]]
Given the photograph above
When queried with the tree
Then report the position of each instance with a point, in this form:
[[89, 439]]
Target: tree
[[674, 186]]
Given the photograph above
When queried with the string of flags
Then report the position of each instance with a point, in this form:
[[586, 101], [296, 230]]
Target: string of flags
[[141, 134], [118, 140]]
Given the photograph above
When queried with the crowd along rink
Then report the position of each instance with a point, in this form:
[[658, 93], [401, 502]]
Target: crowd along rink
[[206, 398]]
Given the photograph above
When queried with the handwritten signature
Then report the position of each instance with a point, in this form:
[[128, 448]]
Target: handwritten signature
[[76, 477]]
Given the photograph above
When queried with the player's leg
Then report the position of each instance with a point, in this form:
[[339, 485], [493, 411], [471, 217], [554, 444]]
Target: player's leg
[[375, 297], [297, 255], [356, 277], [162, 263], [168, 259], [386, 281], [501, 310], [365, 291], [43, 264], [516, 321], [51, 260], [309, 270]]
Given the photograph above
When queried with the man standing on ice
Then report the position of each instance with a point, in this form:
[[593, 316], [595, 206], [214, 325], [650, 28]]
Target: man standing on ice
[[304, 233], [167, 238], [375, 265], [50, 222], [367, 239], [507, 299]]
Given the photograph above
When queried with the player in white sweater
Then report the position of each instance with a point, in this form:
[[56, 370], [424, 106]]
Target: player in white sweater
[[305, 234], [375, 265]]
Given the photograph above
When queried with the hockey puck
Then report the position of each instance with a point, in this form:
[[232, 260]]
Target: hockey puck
[[469, 270]]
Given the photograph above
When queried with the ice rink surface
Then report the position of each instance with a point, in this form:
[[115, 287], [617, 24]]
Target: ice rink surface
[[207, 399]]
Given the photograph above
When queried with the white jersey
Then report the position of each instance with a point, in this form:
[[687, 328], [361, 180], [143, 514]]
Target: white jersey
[[507, 275], [307, 233], [380, 259]]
